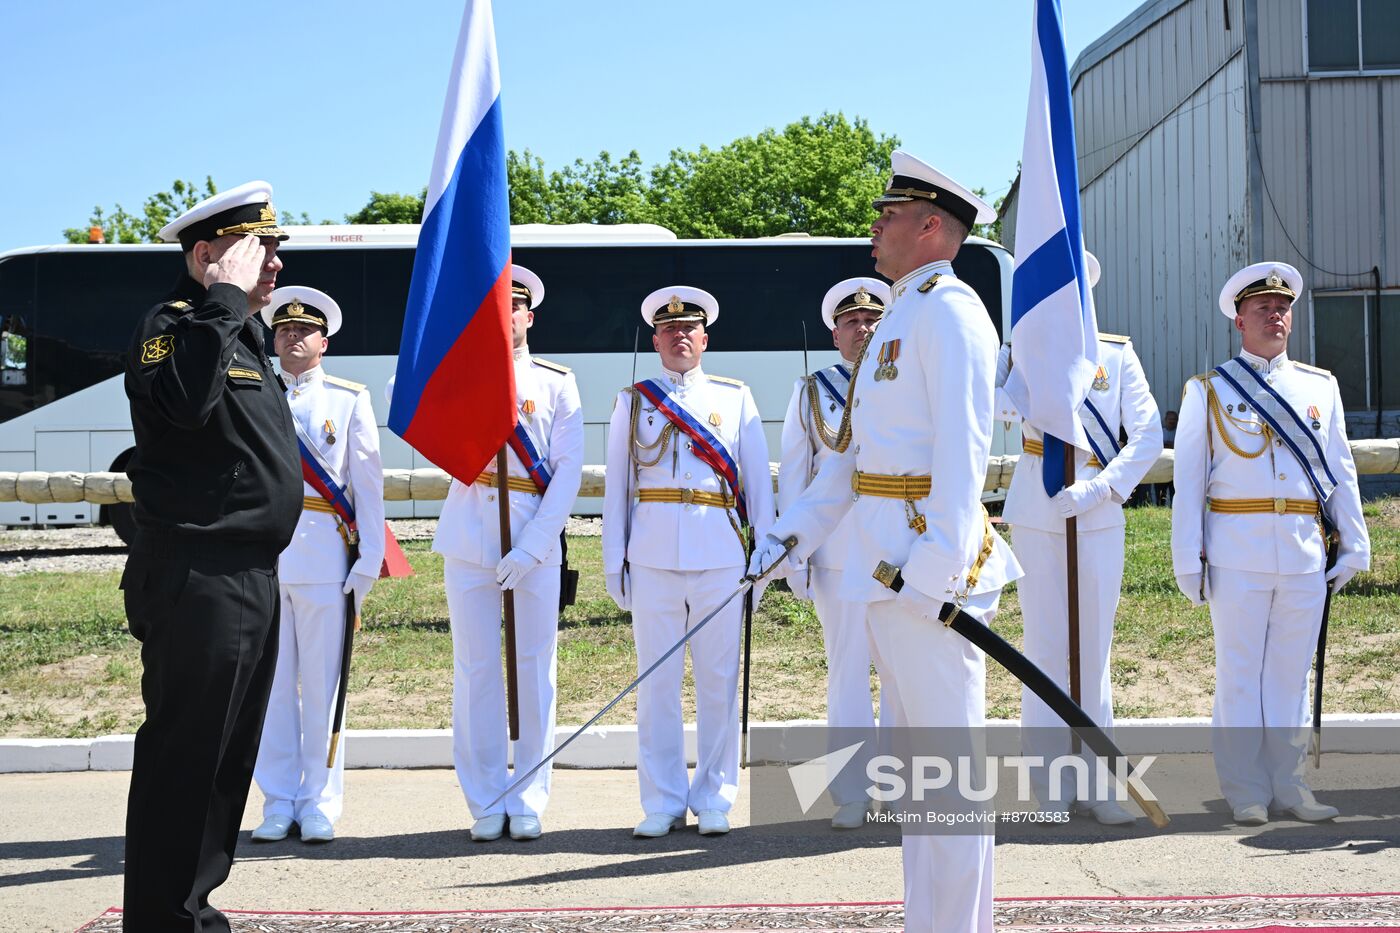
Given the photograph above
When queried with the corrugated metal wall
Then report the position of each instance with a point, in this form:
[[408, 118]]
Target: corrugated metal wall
[[1161, 127]]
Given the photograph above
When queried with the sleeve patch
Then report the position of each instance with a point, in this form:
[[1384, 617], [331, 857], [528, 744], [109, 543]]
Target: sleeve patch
[[156, 349]]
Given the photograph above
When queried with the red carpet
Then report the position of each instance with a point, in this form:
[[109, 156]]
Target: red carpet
[[1257, 914]]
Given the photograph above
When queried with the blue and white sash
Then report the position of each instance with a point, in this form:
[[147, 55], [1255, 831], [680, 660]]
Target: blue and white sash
[[707, 446], [1103, 440], [831, 378], [1285, 423]]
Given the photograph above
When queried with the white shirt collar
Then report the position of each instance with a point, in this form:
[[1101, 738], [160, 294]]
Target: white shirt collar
[[313, 375], [521, 353], [1265, 366], [940, 266], [683, 381], [847, 363]]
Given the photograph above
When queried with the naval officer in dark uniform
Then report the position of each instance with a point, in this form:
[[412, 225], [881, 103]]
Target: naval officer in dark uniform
[[217, 484]]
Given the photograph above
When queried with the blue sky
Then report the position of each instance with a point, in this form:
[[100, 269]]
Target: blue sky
[[109, 102]]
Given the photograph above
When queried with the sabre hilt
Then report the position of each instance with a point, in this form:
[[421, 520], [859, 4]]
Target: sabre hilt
[[789, 543]]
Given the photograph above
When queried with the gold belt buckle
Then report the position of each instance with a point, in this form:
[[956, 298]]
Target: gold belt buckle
[[1280, 506], [855, 482], [688, 496]]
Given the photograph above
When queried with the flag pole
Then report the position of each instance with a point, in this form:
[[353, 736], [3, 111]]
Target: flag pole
[[508, 599], [1072, 590]]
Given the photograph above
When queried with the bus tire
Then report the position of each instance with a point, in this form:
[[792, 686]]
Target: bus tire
[[119, 515]]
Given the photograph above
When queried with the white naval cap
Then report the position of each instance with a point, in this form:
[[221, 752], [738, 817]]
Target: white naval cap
[[525, 284], [1261, 278], [297, 304], [859, 293], [245, 209], [1091, 264], [680, 303], [915, 178]]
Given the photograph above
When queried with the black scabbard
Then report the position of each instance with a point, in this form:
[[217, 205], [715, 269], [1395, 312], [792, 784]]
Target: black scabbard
[[347, 644], [1320, 659]]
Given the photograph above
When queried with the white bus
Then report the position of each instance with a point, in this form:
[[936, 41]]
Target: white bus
[[68, 313]]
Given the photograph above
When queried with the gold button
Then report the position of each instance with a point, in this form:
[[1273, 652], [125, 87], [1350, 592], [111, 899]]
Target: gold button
[[1283, 476], [687, 476], [491, 498], [857, 448], [1280, 506], [1278, 442], [857, 403]]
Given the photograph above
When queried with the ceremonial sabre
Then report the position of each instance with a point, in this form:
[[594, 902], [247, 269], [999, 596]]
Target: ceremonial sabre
[[745, 586], [1320, 662], [1039, 683], [347, 645]]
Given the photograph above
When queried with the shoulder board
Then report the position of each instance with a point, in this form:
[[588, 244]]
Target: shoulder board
[[550, 364], [1114, 338], [727, 381], [1312, 369], [1205, 376], [345, 383], [179, 305], [928, 284]]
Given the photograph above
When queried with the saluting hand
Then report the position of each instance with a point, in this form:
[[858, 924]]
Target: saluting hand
[[240, 265]]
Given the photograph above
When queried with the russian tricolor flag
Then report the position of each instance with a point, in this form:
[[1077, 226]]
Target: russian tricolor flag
[[1055, 339], [454, 390]]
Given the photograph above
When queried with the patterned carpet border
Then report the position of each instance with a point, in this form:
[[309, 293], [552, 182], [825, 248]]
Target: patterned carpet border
[[1214, 914]]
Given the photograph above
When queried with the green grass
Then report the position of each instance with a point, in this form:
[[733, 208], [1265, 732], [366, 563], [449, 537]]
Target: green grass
[[69, 668]]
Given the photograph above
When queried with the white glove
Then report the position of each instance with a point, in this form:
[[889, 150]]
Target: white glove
[[911, 600], [359, 584], [1082, 496], [1194, 588], [799, 581], [767, 553], [1339, 575], [514, 566], [613, 583], [1003, 364]]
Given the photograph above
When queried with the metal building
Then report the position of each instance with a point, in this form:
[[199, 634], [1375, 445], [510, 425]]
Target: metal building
[[1214, 133]]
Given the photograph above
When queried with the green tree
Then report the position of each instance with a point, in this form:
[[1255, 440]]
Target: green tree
[[815, 176], [119, 226], [390, 209]]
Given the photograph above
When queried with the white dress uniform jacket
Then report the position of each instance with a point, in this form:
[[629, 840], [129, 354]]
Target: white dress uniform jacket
[[1126, 405], [468, 537], [933, 419], [1264, 580], [804, 453], [337, 417], [1121, 395], [675, 536], [1210, 470], [684, 559]]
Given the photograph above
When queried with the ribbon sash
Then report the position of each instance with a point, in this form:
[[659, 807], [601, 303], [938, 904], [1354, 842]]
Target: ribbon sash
[[706, 445], [1102, 439], [824, 377], [525, 448], [1285, 422], [321, 476]]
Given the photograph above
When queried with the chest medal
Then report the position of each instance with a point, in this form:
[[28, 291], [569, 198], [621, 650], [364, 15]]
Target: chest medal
[[330, 431], [889, 352], [1101, 380]]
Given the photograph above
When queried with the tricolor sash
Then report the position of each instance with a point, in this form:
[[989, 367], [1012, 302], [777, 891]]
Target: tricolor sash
[[319, 474], [1285, 423], [1102, 439], [830, 380], [525, 448], [706, 445]]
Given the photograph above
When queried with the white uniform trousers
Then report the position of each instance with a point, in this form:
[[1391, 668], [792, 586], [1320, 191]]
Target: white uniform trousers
[[665, 604], [291, 768], [847, 641], [480, 731], [938, 679], [1266, 627], [1044, 607]]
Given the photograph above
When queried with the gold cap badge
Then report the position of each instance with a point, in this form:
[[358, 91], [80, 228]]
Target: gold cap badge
[[675, 305], [1274, 280]]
